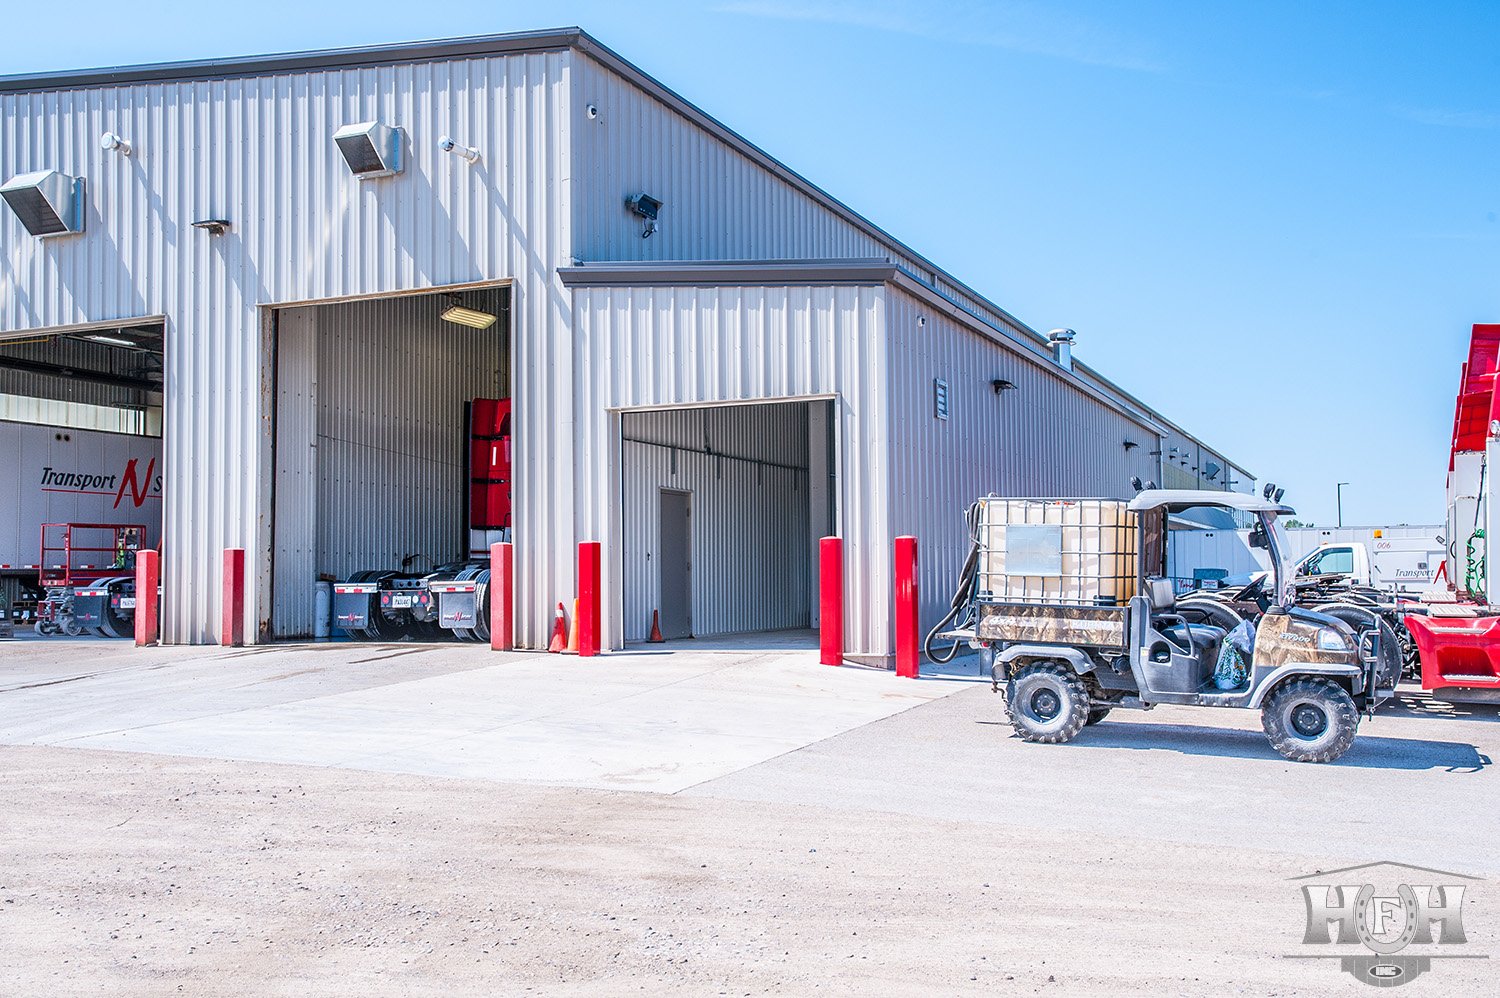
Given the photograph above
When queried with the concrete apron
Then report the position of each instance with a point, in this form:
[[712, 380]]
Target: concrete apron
[[655, 717]]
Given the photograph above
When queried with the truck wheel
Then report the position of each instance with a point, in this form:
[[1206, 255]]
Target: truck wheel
[[1097, 714], [1047, 703], [1310, 720]]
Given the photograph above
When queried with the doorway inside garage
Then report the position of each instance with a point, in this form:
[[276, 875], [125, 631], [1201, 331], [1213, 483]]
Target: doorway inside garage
[[723, 506], [373, 451]]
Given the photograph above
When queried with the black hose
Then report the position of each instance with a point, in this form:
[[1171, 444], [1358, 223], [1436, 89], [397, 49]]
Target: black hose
[[963, 596]]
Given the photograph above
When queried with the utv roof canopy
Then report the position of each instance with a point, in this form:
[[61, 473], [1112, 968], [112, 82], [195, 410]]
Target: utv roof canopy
[[1177, 500]]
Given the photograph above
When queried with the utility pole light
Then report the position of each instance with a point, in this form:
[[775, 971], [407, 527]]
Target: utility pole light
[[1340, 491]]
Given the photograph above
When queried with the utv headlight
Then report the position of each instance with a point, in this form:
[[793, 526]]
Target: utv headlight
[[1331, 640]]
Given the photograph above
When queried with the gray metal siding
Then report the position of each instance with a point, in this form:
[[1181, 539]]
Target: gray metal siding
[[750, 547], [638, 347], [259, 152], [1045, 438], [719, 203]]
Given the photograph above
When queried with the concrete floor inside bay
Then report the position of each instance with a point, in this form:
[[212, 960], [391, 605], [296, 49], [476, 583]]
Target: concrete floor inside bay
[[411, 819]]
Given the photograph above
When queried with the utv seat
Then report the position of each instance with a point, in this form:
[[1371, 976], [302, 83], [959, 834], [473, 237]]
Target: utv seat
[[1198, 637]]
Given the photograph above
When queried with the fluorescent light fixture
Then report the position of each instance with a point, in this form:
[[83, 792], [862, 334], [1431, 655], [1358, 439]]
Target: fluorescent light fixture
[[370, 148], [48, 203], [468, 317], [112, 340]]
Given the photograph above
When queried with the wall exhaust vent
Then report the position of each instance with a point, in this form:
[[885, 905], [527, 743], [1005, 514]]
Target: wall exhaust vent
[[48, 203], [370, 148]]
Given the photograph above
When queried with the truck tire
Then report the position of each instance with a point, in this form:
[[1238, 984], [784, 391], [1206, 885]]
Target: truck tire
[[1391, 657], [1047, 702], [1310, 719]]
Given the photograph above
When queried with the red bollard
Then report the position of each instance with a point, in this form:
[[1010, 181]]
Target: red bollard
[[908, 654], [232, 624], [831, 601], [146, 573], [588, 622], [502, 597]]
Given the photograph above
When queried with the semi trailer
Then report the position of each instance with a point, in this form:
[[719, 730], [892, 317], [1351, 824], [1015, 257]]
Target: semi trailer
[[452, 599], [73, 489]]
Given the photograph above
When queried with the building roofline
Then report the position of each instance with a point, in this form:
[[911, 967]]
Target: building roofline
[[546, 40], [685, 273]]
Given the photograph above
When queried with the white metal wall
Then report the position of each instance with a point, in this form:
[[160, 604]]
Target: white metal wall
[[259, 152], [746, 467], [1047, 437], [638, 347], [720, 204]]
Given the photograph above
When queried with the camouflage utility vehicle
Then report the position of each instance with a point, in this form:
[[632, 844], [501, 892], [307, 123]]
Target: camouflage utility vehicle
[[1070, 601]]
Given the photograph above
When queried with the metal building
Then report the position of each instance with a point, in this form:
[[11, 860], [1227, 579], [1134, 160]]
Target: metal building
[[736, 352]]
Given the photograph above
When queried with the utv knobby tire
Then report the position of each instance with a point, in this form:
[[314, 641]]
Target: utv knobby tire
[[1310, 720], [1047, 702], [1097, 714]]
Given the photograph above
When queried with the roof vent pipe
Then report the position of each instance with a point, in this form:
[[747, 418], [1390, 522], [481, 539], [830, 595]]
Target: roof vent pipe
[[1062, 347]]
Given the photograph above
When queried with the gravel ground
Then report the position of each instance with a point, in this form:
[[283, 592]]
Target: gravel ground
[[130, 874]]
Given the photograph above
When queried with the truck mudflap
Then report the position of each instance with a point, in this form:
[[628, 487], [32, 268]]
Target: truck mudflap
[[88, 606], [458, 604], [351, 604]]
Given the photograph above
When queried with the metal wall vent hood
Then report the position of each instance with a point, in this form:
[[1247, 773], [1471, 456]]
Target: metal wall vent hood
[[370, 148], [48, 203]]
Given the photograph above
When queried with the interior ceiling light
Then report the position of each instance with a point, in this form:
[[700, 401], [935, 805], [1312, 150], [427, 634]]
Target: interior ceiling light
[[48, 203], [113, 340], [467, 316], [370, 148]]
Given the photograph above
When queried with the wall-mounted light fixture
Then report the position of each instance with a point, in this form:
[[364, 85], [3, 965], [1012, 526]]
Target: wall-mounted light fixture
[[213, 226], [48, 203], [110, 142], [1131, 445], [1001, 386], [1211, 470], [470, 156], [370, 148], [472, 317], [646, 207]]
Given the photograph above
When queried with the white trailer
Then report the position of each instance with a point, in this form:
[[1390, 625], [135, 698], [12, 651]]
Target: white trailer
[[60, 474]]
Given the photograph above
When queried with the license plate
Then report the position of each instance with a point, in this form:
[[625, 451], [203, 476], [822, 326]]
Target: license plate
[[127, 602], [401, 600]]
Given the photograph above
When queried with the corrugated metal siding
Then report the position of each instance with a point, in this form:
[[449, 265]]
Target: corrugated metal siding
[[1046, 438], [387, 387], [673, 346], [750, 544], [719, 203], [259, 152]]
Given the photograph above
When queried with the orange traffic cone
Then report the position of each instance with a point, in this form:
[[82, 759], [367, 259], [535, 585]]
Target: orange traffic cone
[[655, 629], [572, 648], [559, 632]]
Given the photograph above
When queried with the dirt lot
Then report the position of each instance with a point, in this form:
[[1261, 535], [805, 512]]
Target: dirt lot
[[927, 853]]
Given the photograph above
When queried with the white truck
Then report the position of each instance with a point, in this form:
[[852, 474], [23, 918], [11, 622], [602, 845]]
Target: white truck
[[1400, 559]]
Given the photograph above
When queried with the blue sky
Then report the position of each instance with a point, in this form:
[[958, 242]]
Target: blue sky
[[1273, 221]]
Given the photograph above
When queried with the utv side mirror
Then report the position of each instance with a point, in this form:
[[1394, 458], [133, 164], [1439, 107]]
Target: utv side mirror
[[1258, 537]]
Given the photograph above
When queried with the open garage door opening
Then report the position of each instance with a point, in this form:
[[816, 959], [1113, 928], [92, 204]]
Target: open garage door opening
[[723, 507], [392, 463], [81, 423]]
